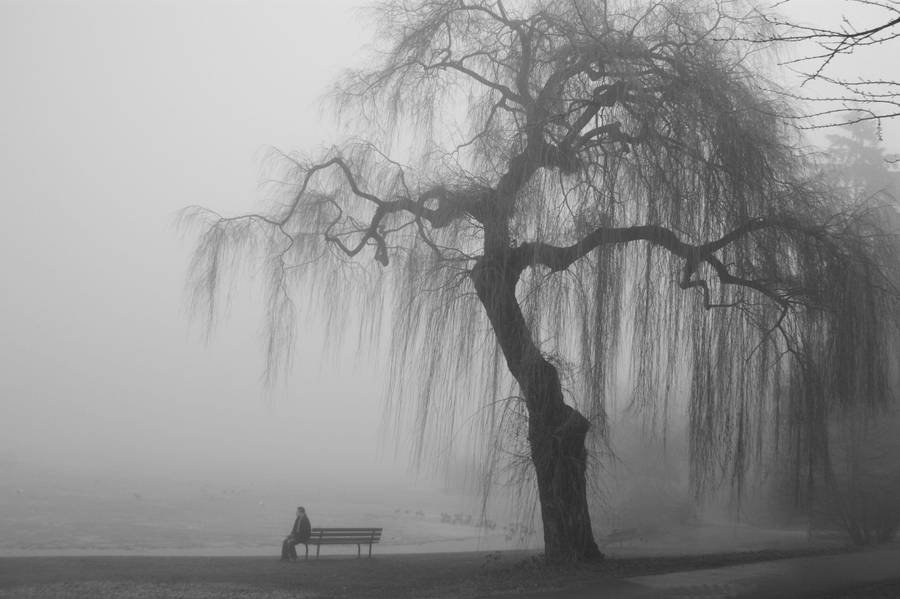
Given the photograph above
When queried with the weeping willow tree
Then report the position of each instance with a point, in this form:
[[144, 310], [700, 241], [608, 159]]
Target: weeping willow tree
[[553, 187]]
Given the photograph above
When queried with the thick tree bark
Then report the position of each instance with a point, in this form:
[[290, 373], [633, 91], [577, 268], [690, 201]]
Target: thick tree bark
[[556, 431], [560, 462]]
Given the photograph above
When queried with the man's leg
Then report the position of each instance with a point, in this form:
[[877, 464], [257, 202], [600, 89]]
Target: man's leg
[[294, 543], [286, 548]]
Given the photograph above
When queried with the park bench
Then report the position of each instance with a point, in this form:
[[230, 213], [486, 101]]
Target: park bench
[[343, 536]]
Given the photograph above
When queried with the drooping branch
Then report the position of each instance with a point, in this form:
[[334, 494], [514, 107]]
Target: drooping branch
[[457, 65], [450, 206], [561, 258]]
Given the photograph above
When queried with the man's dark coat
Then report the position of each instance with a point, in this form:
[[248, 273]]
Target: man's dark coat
[[301, 530]]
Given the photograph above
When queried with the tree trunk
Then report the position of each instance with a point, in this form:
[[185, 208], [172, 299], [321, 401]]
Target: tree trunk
[[560, 462], [556, 431]]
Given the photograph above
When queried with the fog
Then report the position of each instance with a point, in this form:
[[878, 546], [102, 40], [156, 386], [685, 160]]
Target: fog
[[116, 408], [115, 115]]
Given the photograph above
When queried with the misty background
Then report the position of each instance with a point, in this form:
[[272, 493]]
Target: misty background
[[114, 408], [115, 115]]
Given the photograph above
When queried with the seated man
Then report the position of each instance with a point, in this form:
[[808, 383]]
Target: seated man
[[299, 534]]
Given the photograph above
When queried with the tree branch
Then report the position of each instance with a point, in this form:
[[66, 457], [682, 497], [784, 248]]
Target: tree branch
[[560, 258]]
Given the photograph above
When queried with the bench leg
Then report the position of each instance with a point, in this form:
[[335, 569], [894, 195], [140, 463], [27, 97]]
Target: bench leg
[[317, 551], [307, 549], [370, 549], [358, 551]]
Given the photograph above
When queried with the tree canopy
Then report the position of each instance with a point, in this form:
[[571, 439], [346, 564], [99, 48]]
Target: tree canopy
[[557, 191]]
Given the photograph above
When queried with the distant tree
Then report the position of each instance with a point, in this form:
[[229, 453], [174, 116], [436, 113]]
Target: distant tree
[[860, 478], [859, 98], [857, 161], [550, 187], [852, 480]]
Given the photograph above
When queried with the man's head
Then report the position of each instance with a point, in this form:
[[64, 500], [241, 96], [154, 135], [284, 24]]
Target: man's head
[[301, 511]]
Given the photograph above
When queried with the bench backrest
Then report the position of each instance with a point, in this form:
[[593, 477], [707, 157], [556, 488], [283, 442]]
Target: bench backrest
[[346, 535]]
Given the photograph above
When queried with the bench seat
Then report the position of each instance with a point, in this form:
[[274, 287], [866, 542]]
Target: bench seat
[[343, 536]]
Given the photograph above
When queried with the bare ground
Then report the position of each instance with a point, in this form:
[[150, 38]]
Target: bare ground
[[383, 576]]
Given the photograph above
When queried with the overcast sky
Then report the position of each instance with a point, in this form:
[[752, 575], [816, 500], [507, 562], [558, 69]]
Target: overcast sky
[[114, 115]]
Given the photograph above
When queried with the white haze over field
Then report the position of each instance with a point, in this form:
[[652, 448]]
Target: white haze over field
[[115, 115]]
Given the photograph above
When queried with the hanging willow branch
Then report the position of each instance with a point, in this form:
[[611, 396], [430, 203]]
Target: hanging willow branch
[[623, 172]]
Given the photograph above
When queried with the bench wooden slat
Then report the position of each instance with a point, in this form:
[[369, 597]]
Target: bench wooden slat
[[344, 537], [347, 533], [358, 536], [360, 528]]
